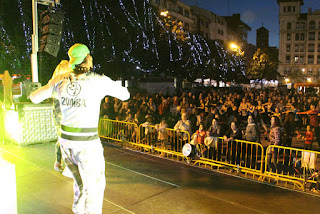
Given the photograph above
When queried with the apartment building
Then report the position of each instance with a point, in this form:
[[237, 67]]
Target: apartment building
[[177, 10], [299, 44], [237, 29], [209, 25]]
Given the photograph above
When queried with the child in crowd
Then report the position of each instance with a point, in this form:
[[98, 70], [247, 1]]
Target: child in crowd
[[308, 139], [199, 136], [161, 129]]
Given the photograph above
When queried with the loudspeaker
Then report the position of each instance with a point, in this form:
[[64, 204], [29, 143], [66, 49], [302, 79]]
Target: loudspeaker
[[28, 87], [52, 39]]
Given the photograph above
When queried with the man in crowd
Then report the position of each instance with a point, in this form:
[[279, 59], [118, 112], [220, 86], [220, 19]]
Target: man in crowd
[[79, 93]]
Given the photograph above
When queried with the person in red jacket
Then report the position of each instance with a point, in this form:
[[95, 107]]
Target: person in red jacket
[[308, 139], [313, 114]]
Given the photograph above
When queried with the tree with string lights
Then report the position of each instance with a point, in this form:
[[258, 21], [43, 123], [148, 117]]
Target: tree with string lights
[[263, 66], [127, 39]]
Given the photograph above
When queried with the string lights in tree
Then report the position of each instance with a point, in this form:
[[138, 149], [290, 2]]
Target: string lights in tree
[[132, 32]]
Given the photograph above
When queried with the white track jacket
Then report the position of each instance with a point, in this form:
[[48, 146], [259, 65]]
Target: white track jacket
[[79, 99]]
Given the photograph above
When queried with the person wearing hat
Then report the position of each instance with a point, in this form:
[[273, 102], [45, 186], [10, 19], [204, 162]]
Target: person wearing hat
[[79, 93]]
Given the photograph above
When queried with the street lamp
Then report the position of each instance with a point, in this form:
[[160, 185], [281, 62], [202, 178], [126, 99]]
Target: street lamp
[[234, 47], [309, 79], [287, 80], [164, 13]]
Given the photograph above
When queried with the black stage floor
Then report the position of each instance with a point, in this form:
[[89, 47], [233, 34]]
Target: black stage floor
[[140, 183]]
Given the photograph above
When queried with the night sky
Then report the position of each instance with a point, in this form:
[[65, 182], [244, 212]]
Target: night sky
[[253, 13]]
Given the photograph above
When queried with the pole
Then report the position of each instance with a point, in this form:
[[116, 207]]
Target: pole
[[34, 55]]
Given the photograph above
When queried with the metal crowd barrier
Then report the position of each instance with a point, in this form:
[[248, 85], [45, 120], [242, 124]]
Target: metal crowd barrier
[[279, 165], [237, 155], [166, 142], [118, 130], [292, 165]]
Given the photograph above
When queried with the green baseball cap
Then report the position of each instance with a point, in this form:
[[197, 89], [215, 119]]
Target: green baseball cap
[[77, 53]]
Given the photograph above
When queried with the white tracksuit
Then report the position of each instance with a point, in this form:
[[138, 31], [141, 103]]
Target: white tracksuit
[[81, 148]]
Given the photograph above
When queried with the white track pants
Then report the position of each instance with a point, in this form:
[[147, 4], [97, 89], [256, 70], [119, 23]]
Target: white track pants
[[88, 168]]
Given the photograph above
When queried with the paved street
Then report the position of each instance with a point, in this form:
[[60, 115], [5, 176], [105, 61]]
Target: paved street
[[139, 183]]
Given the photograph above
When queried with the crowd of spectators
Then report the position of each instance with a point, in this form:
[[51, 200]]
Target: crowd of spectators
[[238, 115]]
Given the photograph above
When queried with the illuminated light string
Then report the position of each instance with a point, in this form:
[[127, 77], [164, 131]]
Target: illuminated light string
[[138, 23], [200, 52], [86, 24], [94, 29], [26, 29]]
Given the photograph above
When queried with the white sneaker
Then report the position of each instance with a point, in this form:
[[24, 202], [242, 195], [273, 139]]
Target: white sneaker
[[67, 173], [57, 166]]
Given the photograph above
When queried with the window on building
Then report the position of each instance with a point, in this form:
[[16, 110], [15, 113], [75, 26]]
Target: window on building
[[319, 33], [288, 59], [318, 71], [187, 13], [186, 26], [318, 47], [284, 9], [289, 9], [289, 26], [157, 2], [201, 22], [312, 25], [303, 25], [296, 59], [302, 36], [288, 48], [207, 24], [311, 36], [298, 25], [310, 59], [297, 36], [301, 59], [311, 47], [310, 71], [293, 9], [220, 32], [287, 70], [296, 48], [288, 36], [180, 10], [301, 47], [318, 60]]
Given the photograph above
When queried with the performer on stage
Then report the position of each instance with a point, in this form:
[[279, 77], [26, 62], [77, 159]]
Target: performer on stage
[[62, 68], [80, 93]]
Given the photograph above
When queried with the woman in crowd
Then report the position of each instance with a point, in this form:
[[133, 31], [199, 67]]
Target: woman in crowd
[[260, 115], [233, 147], [274, 139], [182, 125], [213, 142]]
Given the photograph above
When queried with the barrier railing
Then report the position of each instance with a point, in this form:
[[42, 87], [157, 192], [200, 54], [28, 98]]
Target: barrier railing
[[118, 130], [237, 155], [166, 142], [280, 165], [292, 165]]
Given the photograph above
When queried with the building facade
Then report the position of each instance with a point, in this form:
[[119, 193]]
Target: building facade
[[262, 38], [209, 25], [299, 44], [177, 11], [237, 29]]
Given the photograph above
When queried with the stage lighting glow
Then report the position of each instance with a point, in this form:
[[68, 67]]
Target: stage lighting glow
[[11, 125], [8, 192], [31, 124]]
